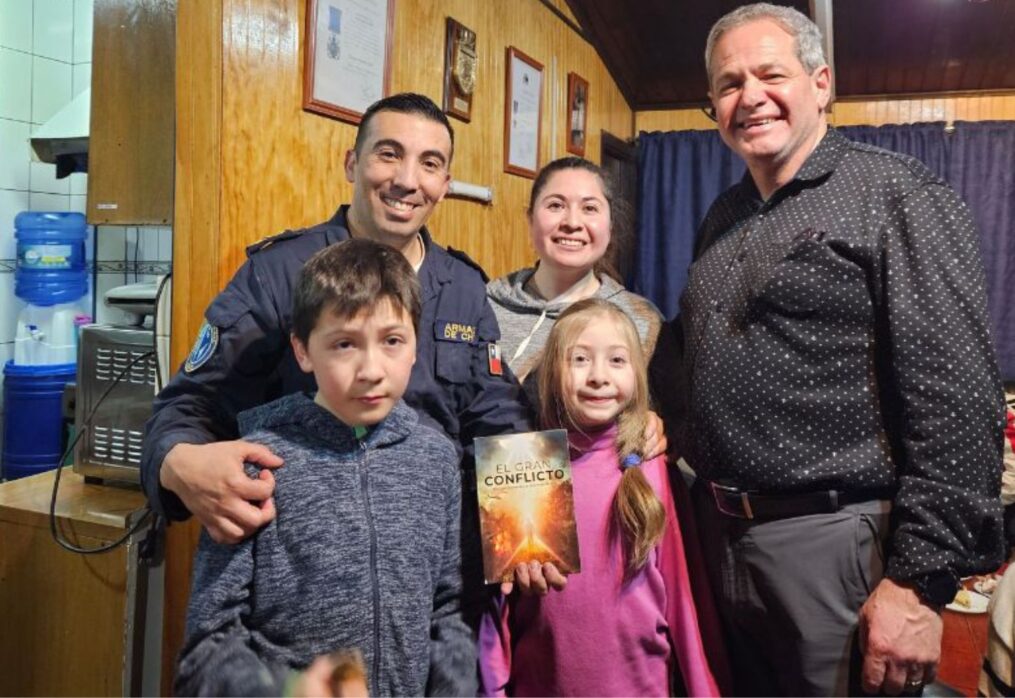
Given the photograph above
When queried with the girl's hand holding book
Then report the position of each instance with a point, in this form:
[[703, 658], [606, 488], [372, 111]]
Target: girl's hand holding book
[[535, 580]]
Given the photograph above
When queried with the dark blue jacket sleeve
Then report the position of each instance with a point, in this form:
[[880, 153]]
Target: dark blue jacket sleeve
[[199, 405]]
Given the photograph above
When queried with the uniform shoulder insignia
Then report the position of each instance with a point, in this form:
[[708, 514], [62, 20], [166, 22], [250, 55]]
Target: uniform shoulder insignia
[[271, 240], [458, 254], [204, 346]]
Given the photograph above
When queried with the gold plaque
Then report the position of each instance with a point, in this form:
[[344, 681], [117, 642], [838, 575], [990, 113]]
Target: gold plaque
[[460, 67]]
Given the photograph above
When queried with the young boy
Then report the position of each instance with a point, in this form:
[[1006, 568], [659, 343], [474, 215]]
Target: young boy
[[364, 551]]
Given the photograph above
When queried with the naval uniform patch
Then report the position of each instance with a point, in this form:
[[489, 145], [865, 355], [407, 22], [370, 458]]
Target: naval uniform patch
[[204, 346]]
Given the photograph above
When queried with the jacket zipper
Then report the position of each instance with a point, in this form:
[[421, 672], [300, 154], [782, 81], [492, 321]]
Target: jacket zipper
[[365, 486]]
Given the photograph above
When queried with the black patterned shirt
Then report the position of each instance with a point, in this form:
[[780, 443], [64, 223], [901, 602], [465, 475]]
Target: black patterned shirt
[[836, 337]]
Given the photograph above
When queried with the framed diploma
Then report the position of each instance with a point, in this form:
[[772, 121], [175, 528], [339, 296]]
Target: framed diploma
[[522, 114], [347, 58], [577, 113], [460, 67]]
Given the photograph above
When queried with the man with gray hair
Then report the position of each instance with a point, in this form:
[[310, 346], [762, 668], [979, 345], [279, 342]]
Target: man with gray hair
[[844, 404]]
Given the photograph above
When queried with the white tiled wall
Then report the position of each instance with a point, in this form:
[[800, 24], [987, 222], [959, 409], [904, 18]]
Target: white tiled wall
[[45, 60], [128, 255], [43, 44]]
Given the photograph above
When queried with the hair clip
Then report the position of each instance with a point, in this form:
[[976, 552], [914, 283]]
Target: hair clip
[[630, 460]]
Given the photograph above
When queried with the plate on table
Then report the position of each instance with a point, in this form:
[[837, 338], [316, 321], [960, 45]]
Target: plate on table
[[986, 584], [977, 604]]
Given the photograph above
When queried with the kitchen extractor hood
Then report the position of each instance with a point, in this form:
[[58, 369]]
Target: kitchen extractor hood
[[63, 140]]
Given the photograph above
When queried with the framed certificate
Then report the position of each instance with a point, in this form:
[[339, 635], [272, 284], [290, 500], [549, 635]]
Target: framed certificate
[[577, 113], [523, 104], [347, 57]]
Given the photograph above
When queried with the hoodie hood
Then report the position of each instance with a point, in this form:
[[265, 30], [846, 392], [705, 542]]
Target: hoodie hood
[[510, 292], [299, 412]]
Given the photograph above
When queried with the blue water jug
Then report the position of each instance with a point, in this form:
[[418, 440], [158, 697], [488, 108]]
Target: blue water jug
[[51, 265], [33, 417]]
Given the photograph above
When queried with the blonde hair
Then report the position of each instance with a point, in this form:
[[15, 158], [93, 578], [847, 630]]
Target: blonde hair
[[637, 512]]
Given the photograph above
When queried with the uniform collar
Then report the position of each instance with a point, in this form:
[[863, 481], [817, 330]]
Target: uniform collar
[[436, 269], [338, 226]]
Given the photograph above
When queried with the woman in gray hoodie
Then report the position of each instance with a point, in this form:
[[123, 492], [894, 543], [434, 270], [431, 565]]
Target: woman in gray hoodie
[[572, 217]]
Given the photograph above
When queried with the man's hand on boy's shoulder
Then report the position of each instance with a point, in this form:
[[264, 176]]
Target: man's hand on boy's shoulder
[[211, 481]]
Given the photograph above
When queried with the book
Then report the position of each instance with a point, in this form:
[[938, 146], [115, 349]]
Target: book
[[526, 503]]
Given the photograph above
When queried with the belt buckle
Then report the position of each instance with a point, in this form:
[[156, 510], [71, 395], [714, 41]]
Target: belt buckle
[[745, 501]]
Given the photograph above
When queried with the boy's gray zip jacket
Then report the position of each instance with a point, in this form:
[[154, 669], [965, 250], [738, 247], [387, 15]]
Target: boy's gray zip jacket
[[364, 552]]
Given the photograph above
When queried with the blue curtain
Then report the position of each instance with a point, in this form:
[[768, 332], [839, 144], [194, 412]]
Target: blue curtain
[[680, 173], [981, 167], [927, 142]]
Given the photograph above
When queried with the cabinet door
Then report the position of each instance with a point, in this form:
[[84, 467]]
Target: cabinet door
[[131, 140]]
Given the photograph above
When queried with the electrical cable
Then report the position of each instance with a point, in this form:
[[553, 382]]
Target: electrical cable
[[146, 511], [137, 253]]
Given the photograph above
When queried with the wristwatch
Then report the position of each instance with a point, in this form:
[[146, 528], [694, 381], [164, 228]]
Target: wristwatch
[[937, 588]]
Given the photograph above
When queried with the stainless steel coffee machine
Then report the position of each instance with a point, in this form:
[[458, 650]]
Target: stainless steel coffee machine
[[116, 381]]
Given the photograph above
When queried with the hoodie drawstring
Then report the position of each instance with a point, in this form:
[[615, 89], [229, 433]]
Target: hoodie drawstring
[[525, 342]]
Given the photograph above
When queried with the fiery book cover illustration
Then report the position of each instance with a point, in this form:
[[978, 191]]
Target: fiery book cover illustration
[[526, 502]]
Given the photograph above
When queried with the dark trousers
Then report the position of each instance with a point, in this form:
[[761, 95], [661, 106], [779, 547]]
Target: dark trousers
[[789, 592]]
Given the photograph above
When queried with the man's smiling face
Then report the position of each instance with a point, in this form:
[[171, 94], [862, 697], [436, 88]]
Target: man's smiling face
[[769, 109], [399, 174]]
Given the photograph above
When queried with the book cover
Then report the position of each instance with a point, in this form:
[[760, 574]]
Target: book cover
[[526, 502]]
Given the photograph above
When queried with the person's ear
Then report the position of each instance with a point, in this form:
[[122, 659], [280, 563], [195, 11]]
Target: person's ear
[[447, 185], [302, 357], [350, 165], [822, 79]]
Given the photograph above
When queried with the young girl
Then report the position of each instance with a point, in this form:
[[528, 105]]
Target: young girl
[[626, 624]]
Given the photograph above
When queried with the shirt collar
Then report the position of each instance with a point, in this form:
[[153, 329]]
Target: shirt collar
[[825, 158], [819, 164]]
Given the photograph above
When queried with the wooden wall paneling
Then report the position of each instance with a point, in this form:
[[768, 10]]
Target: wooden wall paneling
[[282, 166], [496, 235], [196, 253], [672, 120], [854, 113]]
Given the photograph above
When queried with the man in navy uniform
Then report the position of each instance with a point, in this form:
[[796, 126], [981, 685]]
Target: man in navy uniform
[[192, 460]]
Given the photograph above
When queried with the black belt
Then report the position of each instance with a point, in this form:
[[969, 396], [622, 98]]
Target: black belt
[[745, 504]]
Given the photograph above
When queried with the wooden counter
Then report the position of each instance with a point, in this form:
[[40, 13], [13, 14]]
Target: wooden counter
[[67, 618]]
